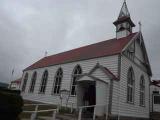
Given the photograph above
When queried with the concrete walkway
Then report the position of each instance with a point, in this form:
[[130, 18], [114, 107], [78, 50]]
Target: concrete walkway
[[46, 118], [59, 117]]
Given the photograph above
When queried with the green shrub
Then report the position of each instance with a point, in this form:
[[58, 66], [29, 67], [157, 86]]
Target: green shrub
[[63, 110], [10, 104]]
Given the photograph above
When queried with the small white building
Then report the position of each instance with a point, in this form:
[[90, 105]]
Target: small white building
[[15, 85], [155, 96], [114, 74]]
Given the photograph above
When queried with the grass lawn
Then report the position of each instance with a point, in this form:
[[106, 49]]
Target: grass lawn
[[41, 107]]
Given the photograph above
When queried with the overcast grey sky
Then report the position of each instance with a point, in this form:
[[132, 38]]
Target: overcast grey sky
[[28, 28]]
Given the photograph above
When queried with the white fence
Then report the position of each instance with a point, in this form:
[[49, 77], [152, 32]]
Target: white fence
[[34, 113], [55, 111]]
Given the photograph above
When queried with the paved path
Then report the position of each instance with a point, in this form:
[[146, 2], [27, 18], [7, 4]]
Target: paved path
[[41, 118], [59, 117], [45, 118]]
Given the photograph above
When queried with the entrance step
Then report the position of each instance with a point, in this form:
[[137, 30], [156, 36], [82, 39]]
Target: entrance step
[[86, 114], [155, 116], [45, 118], [66, 117]]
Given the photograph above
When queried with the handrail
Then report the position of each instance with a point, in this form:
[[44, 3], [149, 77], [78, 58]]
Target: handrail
[[40, 111], [90, 106], [36, 104]]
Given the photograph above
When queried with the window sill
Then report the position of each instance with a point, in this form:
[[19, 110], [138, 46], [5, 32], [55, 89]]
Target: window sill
[[73, 95], [132, 103], [142, 105], [30, 92], [54, 94], [41, 93]]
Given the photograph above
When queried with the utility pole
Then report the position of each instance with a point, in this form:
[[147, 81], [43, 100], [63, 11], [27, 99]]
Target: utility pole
[[12, 73]]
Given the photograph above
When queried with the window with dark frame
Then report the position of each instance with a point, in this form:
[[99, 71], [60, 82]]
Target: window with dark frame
[[43, 82], [33, 81], [130, 54], [24, 82], [57, 81], [77, 71], [142, 91], [157, 99], [155, 92], [130, 86]]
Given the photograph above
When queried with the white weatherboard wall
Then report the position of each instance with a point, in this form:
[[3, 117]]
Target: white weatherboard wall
[[101, 75], [127, 109], [139, 53], [101, 97], [80, 93], [123, 33], [156, 107], [111, 62]]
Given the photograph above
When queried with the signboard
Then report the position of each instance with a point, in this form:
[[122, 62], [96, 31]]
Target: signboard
[[64, 96]]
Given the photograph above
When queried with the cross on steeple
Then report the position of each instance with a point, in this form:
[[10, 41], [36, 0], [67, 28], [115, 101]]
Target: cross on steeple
[[45, 54], [140, 26]]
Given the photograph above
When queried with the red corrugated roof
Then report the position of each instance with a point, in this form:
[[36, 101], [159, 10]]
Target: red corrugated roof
[[104, 48], [18, 81], [155, 82]]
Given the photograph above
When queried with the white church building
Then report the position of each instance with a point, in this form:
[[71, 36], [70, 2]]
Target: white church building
[[114, 72]]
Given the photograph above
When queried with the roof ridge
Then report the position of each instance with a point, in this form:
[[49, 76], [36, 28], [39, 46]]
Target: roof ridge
[[104, 48], [88, 45], [81, 47]]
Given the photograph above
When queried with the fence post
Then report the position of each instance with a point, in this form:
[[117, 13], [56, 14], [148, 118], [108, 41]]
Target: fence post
[[80, 113], [107, 112], [94, 113], [71, 107], [58, 107], [34, 115], [54, 115], [36, 108]]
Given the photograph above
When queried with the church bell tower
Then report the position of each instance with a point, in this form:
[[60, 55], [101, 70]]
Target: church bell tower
[[123, 24]]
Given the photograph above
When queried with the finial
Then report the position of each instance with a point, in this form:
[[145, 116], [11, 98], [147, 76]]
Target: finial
[[124, 1], [140, 26], [45, 54]]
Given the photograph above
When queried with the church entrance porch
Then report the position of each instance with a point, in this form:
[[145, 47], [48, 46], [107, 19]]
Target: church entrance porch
[[89, 95], [92, 96], [86, 95]]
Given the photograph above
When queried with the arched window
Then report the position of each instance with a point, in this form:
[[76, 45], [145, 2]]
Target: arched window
[[24, 82], [44, 82], [33, 81], [77, 71], [142, 91], [57, 81], [130, 86]]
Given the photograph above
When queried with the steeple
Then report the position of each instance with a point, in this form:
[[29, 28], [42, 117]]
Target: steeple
[[124, 23], [124, 10]]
